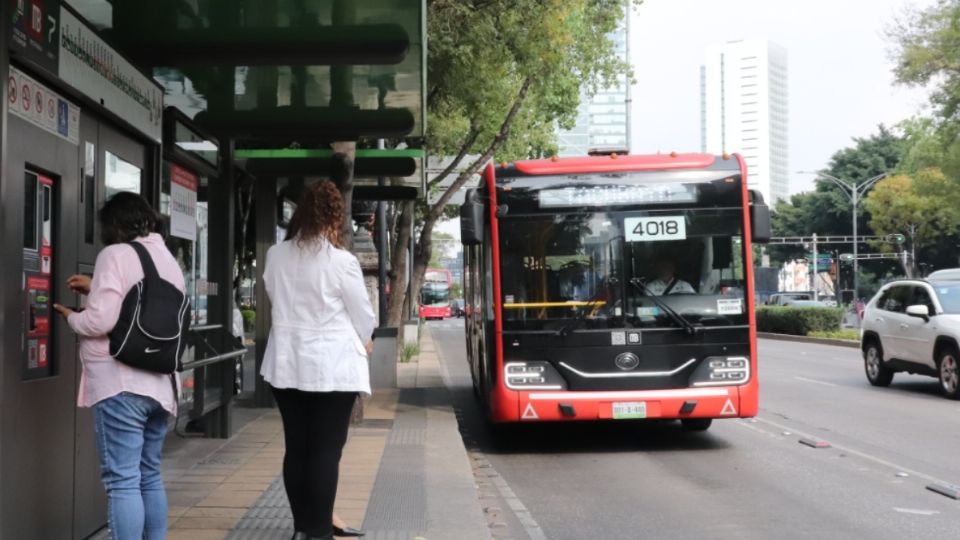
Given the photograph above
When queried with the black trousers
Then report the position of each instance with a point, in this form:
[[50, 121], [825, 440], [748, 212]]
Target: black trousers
[[315, 429]]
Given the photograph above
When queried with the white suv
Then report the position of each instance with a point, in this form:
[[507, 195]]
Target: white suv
[[914, 326]]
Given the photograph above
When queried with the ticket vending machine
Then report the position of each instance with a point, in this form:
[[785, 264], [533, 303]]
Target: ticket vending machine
[[38, 243]]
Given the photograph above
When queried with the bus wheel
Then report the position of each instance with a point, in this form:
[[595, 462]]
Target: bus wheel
[[696, 424]]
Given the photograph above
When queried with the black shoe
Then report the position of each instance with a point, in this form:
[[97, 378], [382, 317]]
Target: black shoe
[[347, 531], [304, 536]]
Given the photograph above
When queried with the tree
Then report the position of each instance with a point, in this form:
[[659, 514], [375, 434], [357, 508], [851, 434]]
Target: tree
[[827, 209], [922, 206], [927, 53], [501, 75]]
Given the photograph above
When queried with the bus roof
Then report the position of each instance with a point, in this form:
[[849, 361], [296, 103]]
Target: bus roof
[[617, 163]]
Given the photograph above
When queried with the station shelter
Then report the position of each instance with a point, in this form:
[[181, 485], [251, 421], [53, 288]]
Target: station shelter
[[192, 104]]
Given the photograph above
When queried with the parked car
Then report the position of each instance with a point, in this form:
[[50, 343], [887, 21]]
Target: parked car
[[913, 326], [456, 307], [784, 298]]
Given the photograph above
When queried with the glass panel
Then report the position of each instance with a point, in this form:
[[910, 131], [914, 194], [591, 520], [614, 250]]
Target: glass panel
[[369, 87], [121, 176], [89, 192], [192, 142], [949, 296], [598, 267], [200, 263]]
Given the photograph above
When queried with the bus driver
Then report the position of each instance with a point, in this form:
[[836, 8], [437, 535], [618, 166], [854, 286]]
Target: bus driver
[[667, 282]]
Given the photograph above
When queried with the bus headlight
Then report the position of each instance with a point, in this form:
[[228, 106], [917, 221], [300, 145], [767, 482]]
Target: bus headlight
[[533, 376], [722, 371]]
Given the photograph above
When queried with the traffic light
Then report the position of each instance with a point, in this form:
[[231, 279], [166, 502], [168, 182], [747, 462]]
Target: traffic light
[[846, 257], [895, 238]]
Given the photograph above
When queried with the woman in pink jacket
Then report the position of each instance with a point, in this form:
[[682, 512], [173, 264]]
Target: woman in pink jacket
[[131, 406]]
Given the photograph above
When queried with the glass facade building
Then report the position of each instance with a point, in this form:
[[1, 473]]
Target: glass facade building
[[603, 119], [744, 109]]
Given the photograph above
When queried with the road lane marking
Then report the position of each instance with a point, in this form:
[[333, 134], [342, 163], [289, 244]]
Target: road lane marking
[[814, 381], [916, 511], [858, 453]]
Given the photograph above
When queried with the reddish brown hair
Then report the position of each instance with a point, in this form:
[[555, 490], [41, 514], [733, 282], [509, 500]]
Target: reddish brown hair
[[319, 215]]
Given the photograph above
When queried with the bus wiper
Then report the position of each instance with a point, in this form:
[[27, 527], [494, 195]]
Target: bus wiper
[[593, 302], [690, 328]]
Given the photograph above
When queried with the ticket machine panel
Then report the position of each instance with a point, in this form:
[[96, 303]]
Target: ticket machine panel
[[38, 244]]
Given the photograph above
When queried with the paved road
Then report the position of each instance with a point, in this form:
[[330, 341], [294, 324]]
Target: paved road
[[742, 479]]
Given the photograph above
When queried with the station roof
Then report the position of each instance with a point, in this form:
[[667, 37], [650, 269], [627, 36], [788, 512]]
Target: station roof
[[285, 78]]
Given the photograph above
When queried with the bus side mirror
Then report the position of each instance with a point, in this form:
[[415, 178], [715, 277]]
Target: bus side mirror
[[471, 220], [760, 223], [759, 219]]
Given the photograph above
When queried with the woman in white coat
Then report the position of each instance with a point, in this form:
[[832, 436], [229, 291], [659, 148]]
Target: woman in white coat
[[316, 357]]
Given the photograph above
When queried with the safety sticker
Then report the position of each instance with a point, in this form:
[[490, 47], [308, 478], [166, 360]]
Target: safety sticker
[[529, 413], [728, 409], [729, 306]]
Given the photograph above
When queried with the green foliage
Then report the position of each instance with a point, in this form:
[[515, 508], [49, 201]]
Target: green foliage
[[845, 334], [827, 210], [481, 53], [408, 352], [249, 318], [923, 206], [798, 321], [927, 53]]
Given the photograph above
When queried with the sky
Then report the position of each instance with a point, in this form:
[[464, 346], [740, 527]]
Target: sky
[[839, 70]]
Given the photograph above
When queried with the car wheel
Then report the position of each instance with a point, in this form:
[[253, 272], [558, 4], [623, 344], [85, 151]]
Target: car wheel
[[949, 369], [877, 373], [696, 424]]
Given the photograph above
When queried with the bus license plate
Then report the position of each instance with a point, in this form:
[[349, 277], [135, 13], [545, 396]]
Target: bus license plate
[[628, 410]]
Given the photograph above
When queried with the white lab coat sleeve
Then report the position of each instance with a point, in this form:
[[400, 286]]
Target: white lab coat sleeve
[[355, 298]]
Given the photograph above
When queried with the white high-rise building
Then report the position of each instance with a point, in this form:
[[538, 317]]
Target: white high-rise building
[[743, 109], [603, 120]]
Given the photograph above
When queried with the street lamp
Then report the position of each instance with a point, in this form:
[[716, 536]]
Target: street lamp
[[855, 192]]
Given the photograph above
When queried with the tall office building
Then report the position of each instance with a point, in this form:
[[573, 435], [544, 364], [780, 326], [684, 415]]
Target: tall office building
[[603, 120], [743, 109]]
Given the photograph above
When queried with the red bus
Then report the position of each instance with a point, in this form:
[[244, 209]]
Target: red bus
[[613, 287], [435, 294]]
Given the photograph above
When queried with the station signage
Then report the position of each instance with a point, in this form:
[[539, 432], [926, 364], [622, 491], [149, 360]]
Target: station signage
[[42, 107], [88, 64], [34, 31], [183, 203]]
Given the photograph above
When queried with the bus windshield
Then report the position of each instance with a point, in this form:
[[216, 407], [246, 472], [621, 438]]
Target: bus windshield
[[605, 267], [435, 294]]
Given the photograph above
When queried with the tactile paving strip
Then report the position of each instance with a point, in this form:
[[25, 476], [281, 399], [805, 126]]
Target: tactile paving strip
[[268, 519], [397, 507]]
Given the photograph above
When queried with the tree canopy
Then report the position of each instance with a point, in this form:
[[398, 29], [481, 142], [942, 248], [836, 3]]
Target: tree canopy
[[501, 76]]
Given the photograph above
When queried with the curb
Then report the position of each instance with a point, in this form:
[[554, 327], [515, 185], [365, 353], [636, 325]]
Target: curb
[[808, 339]]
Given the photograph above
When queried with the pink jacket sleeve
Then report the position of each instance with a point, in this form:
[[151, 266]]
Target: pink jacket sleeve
[[102, 309]]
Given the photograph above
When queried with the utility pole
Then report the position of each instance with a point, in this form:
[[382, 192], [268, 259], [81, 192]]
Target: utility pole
[[855, 192], [816, 295]]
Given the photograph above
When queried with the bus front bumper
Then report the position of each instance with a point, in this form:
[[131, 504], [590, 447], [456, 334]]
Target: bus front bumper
[[706, 402]]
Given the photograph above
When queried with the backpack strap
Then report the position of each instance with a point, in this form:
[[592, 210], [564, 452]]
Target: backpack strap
[[149, 269]]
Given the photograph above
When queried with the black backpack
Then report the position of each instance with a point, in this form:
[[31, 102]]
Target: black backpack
[[154, 319]]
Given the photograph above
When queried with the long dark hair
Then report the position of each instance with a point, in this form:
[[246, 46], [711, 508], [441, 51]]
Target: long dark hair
[[319, 215], [125, 217]]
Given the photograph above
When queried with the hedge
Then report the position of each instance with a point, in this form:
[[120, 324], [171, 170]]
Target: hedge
[[798, 321]]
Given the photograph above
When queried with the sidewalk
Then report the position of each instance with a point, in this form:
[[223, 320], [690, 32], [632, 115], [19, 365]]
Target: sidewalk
[[404, 474]]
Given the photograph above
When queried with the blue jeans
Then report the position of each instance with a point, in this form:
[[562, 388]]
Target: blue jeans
[[130, 429]]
